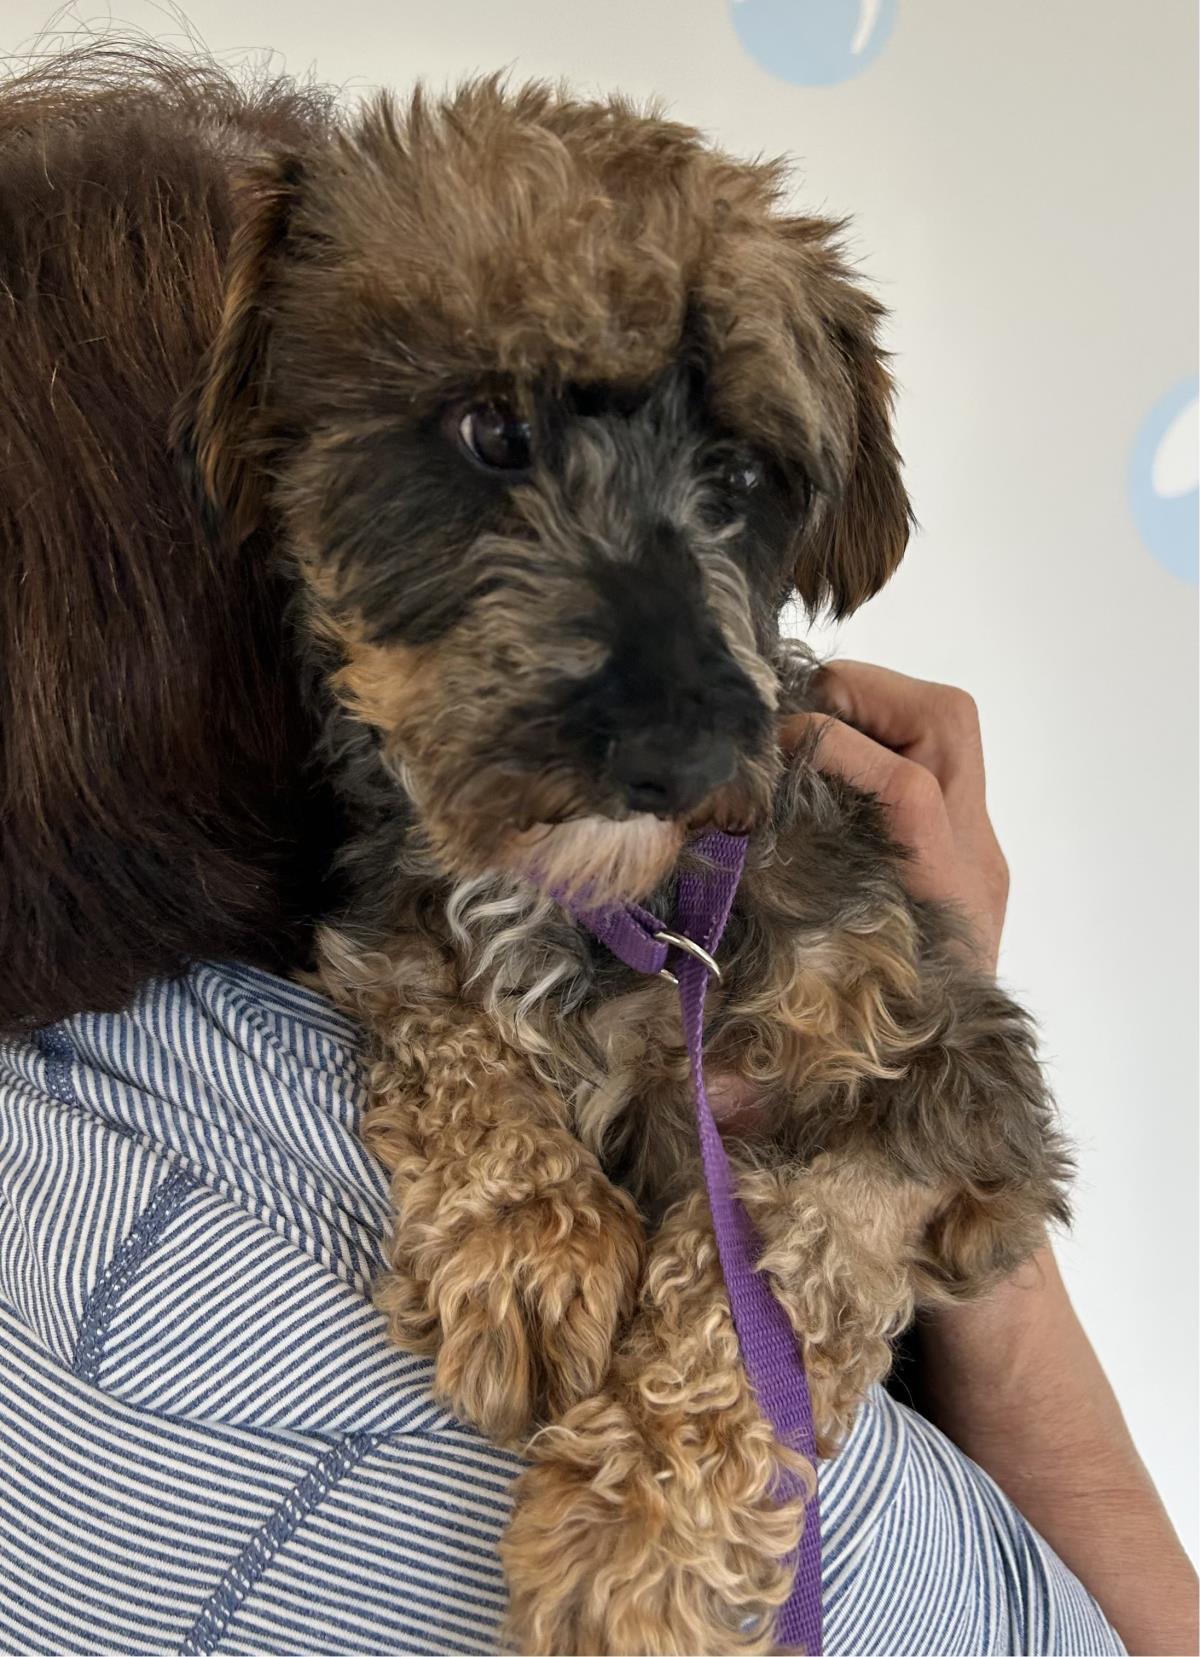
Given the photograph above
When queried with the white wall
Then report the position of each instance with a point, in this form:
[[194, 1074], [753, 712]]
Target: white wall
[[1023, 182]]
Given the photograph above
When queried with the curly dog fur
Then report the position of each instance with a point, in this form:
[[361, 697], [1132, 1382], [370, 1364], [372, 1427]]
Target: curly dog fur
[[398, 512]]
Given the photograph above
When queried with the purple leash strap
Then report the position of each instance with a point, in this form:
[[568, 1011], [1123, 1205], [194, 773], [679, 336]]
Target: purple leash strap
[[769, 1348]]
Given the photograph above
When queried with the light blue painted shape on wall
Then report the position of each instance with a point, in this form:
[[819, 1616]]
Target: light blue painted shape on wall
[[813, 42], [1164, 470]]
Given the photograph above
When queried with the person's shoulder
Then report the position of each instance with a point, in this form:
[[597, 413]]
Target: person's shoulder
[[923, 1552]]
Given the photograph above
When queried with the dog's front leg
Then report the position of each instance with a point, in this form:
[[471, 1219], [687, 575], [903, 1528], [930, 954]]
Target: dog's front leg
[[842, 1239], [647, 1522], [512, 1257]]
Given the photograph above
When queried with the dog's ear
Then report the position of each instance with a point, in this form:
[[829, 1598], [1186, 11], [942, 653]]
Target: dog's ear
[[861, 521], [218, 430], [861, 515], [797, 361]]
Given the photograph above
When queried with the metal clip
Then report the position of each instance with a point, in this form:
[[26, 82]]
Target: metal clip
[[689, 947]]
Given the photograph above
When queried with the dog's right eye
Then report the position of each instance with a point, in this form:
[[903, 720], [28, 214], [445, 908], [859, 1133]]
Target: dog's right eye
[[497, 437]]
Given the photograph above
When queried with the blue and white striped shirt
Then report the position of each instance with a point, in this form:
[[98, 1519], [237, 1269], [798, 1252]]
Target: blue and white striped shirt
[[206, 1442]]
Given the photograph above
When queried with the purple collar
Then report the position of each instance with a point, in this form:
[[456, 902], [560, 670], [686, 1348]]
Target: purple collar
[[769, 1349]]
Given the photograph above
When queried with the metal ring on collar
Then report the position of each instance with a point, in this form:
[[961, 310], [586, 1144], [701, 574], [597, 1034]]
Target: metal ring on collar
[[689, 947]]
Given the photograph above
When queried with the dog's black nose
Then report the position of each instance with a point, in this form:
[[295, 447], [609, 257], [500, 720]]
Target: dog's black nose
[[666, 772]]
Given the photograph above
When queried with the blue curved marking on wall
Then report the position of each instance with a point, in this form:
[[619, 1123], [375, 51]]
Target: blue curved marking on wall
[[1163, 476], [813, 42]]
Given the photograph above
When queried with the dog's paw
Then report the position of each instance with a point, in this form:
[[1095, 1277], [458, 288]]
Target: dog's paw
[[523, 1302], [649, 1533]]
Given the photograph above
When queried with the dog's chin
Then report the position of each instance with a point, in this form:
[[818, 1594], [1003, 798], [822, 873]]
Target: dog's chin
[[597, 859]]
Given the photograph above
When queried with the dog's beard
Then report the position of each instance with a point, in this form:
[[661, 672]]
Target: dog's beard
[[547, 830], [598, 858], [556, 842]]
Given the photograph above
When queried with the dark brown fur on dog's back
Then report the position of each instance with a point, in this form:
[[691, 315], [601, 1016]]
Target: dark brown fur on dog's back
[[151, 756]]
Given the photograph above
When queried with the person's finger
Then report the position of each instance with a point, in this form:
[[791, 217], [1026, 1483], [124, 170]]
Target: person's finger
[[935, 725], [892, 707], [911, 794], [853, 754], [842, 748], [918, 820]]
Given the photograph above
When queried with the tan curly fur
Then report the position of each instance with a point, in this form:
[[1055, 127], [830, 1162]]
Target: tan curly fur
[[513, 1257], [648, 1522]]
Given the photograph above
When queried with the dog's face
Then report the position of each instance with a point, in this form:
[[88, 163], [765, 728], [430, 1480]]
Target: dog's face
[[554, 412]]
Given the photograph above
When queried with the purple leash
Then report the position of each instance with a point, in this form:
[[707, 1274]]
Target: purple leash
[[769, 1349]]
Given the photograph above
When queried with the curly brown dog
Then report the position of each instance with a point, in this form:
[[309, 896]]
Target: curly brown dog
[[508, 426]]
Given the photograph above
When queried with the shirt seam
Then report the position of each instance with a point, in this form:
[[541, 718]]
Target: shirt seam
[[104, 1299], [243, 1575]]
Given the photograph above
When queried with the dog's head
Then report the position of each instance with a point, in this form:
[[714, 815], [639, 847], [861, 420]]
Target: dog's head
[[555, 409]]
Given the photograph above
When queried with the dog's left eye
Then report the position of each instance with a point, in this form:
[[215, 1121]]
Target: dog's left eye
[[497, 437], [742, 475]]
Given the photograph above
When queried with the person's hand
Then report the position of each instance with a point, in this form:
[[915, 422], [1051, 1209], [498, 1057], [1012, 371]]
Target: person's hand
[[917, 747]]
